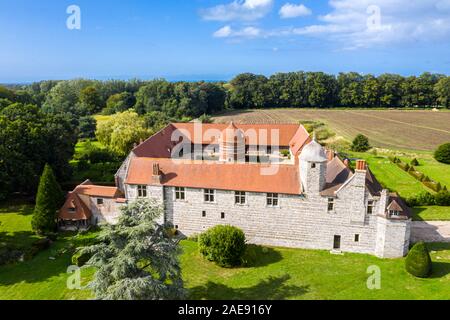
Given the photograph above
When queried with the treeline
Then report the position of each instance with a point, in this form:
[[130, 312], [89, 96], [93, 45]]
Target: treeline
[[41, 122]]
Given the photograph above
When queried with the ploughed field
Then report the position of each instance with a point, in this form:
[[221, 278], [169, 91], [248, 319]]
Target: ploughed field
[[396, 129]]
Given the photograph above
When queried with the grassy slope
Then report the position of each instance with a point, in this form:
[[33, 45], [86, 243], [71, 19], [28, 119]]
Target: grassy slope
[[391, 176]]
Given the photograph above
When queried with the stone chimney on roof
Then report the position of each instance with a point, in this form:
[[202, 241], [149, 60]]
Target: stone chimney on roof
[[330, 155], [156, 174]]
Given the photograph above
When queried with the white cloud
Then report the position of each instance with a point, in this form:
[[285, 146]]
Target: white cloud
[[247, 10], [290, 10], [228, 32], [355, 24]]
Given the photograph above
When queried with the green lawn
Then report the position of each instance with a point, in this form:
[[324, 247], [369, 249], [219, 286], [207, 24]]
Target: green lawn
[[305, 274], [40, 278], [437, 171], [431, 213], [276, 273], [391, 176]]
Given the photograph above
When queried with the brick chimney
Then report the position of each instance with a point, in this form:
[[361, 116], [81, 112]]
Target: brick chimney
[[330, 155], [156, 174], [361, 165]]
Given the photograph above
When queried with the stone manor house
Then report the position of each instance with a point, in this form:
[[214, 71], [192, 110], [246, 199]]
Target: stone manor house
[[278, 185]]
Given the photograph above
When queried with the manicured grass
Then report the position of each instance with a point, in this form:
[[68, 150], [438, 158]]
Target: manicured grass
[[437, 171], [431, 213], [305, 274], [278, 274], [391, 176], [39, 278]]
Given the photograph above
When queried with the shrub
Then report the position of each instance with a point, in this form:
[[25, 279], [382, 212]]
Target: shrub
[[80, 258], [418, 263], [442, 154], [443, 198], [415, 162], [361, 144], [285, 153], [224, 245], [422, 199]]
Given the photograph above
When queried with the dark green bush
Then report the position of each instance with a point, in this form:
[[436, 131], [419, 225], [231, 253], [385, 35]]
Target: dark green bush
[[422, 199], [224, 245], [443, 198], [361, 144], [80, 258], [442, 154], [415, 162], [418, 263]]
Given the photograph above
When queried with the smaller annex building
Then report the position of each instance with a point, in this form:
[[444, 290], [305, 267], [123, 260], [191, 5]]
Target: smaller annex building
[[88, 205]]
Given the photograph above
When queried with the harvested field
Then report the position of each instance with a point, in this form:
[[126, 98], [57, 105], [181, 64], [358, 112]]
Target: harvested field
[[395, 129]]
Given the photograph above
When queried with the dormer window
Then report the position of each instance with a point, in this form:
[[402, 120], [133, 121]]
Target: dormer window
[[394, 213]]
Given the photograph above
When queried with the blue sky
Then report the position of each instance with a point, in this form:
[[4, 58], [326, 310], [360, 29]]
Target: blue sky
[[216, 39]]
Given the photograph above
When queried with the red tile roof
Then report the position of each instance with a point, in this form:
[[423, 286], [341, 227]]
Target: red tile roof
[[212, 175], [74, 209], [89, 189], [160, 145]]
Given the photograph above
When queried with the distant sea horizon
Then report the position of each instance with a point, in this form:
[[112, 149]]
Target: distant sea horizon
[[185, 78]]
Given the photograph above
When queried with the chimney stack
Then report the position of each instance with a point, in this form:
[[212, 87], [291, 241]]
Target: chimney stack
[[157, 175], [361, 165], [330, 155], [347, 163]]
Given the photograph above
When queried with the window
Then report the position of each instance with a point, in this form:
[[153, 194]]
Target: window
[[330, 204], [370, 207], [72, 210], [142, 191], [356, 237], [209, 195], [99, 202], [272, 200], [394, 213], [240, 197], [180, 193], [204, 214], [313, 166], [222, 215]]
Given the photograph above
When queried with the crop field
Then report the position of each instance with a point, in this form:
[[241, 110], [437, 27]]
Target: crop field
[[419, 130]]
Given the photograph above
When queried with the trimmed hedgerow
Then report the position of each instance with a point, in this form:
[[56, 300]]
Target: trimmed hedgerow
[[224, 245], [418, 263]]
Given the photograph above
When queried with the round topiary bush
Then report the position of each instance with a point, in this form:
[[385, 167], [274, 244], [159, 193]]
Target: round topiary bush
[[224, 245], [418, 263], [442, 154]]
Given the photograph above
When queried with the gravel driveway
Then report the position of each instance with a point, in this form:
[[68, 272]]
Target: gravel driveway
[[430, 231]]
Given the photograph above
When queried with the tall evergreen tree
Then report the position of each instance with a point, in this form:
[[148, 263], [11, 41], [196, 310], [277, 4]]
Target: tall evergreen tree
[[136, 259], [48, 200]]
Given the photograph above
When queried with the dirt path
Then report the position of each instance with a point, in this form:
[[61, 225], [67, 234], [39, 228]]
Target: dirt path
[[430, 231]]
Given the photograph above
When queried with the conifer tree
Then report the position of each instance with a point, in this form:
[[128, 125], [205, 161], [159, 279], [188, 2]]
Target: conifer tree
[[48, 200], [136, 258]]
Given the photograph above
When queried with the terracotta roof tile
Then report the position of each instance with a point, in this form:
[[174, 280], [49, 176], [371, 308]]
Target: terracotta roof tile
[[98, 191], [74, 209], [220, 176], [160, 145]]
